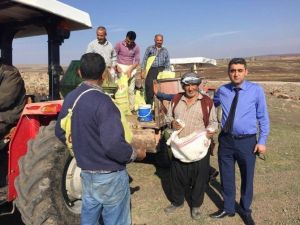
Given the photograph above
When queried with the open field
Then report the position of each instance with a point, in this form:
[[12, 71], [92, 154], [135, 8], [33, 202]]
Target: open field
[[277, 188], [286, 69]]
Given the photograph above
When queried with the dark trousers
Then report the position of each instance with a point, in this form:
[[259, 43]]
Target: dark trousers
[[152, 75], [232, 150], [3, 164], [4, 129], [193, 176]]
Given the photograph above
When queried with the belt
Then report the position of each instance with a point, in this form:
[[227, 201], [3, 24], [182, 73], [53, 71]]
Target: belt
[[99, 171], [241, 136]]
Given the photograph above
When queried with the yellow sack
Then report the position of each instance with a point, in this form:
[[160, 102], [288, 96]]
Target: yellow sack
[[65, 124], [127, 130], [166, 74], [121, 96], [149, 63], [139, 100]]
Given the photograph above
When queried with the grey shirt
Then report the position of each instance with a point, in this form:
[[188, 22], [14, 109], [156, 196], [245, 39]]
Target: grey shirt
[[106, 50]]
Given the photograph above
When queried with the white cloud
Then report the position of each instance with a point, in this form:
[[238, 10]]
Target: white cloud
[[220, 34]]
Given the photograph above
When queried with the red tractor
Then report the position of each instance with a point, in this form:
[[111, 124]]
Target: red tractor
[[42, 179]]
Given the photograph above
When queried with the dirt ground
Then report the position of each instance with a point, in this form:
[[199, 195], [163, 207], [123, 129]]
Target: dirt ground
[[277, 188]]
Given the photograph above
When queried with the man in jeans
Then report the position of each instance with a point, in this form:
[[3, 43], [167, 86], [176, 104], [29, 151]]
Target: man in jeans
[[100, 148]]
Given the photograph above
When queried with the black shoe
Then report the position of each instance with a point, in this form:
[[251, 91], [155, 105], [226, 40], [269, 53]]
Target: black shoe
[[172, 208], [248, 220], [221, 214], [196, 215]]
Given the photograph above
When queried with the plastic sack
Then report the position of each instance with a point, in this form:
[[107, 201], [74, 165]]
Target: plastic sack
[[191, 148], [139, 99], [121, 96], [149, 63], [65, 124], [166, 74], [127, 130]]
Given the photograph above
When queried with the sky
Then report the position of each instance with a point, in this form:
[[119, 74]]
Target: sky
[[191, 28]]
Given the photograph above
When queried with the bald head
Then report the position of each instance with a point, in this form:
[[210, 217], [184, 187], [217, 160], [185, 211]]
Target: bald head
[[158, 40]]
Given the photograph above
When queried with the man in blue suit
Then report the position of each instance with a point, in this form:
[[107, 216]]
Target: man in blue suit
[[245, 128]]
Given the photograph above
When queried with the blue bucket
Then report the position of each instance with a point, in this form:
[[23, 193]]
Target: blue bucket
[[144, 113]]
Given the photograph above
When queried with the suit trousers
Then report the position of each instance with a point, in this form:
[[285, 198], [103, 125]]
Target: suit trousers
[[240, 150], [191, 177]]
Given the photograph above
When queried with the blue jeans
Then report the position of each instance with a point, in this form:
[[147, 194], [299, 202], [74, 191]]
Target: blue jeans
[[106, 195]]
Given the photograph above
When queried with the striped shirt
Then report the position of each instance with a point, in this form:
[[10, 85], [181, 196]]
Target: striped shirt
[[162, 57], [192, 116]]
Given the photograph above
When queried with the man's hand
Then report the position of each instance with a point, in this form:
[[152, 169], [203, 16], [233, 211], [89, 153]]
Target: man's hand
[[140, 154], [142, 74], [118, 69], [129, 71], [209, 134], [175, 125], [260, 149]]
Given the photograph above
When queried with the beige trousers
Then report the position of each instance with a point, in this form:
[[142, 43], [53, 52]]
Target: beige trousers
[[131, 84]]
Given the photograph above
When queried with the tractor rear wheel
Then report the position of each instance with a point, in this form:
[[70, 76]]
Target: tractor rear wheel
[[43, 198]]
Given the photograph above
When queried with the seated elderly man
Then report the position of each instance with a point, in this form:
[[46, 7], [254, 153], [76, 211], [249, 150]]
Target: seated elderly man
[[12, 102]]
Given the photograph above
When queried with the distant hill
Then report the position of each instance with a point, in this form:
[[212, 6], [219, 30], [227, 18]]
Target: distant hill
[[290, 56]]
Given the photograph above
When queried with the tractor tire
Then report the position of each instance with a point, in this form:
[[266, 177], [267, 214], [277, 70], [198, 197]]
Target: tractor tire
[[40, 185]]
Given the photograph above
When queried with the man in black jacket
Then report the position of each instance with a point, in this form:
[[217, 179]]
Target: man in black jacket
[[12, 98], [12, 102]]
